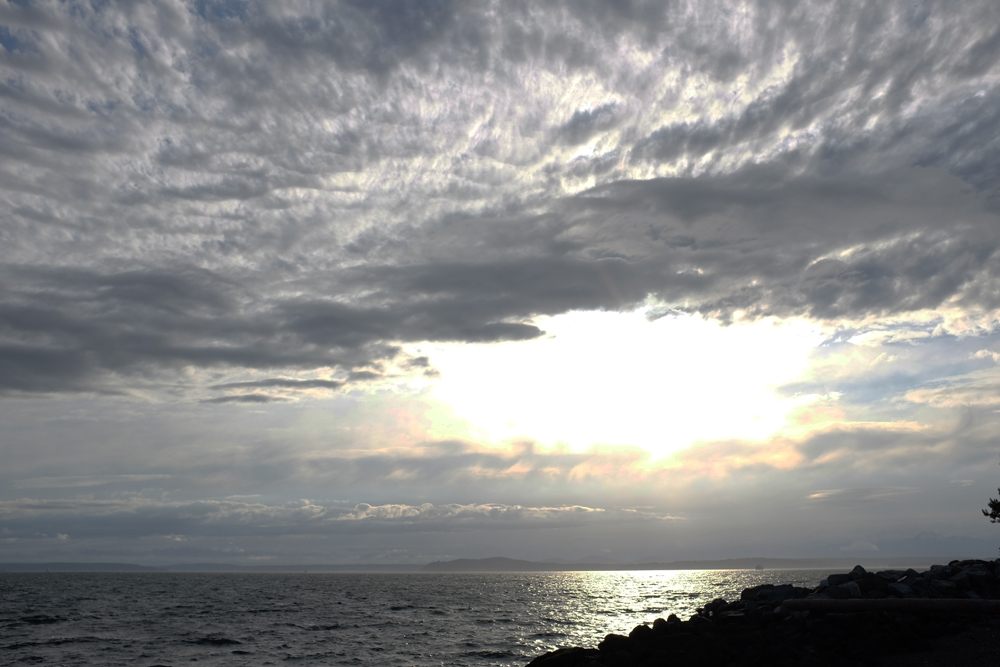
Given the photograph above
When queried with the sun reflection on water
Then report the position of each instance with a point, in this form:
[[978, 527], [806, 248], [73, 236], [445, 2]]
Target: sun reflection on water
[[597, 603]]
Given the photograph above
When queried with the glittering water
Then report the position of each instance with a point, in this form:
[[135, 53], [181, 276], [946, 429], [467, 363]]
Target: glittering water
[[149, 619]]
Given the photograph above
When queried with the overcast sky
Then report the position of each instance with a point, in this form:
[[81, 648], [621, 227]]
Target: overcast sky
[[395, 281]]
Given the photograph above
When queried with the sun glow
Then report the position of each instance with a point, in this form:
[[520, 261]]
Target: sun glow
[[617, 378]]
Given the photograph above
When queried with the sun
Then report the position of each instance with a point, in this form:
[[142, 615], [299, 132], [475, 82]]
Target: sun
[[619, 378]]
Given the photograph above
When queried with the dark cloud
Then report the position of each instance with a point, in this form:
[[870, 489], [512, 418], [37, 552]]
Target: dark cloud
[[585, 123], [243, 398], [704, 244], [283, 383]]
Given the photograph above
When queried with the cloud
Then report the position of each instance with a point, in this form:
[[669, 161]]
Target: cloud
[[73, 330], [282, 383], [297, 205], [585, 123], [987, 354], [854, 497], [169, 210], [243, 398], [981, 390], [83, 481], [135, 518]]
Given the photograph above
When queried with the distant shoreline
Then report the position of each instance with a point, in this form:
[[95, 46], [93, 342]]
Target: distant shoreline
[[497, 564]]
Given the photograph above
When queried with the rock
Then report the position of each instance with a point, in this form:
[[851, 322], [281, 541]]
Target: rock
[[944, 586], [564, 657], [614, 643], [640, 633], [715, 605], [979, 577], [852, 588], [837, 593], [871, 583], [838, 579], [772, 594], [901, 590], [729, 616], [700, 624], [961, 580]]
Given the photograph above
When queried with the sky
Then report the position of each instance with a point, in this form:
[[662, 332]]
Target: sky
[[388, 281]]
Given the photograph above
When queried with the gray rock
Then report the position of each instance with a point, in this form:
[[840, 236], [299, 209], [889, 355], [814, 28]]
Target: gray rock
[[838, 579], [729, 616], [944, 586], [871, 582], [769, 593], [838, 592], [961, 580], [564, 657], [979, 576], [901, 590], [614, 643], [717, 603], [852, 588]]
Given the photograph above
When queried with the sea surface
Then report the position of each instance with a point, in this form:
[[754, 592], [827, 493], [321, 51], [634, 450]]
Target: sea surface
[[147, 619]]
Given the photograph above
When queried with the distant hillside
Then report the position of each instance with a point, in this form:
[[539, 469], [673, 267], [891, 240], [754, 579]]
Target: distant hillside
[[497, 564], [199, 567], [225, 567], [77, 567], [500, 564]]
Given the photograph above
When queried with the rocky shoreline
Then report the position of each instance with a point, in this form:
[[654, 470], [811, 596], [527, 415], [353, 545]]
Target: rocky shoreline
[[762, 628]]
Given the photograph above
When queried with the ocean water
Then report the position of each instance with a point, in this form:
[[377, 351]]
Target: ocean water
[[148, 619]]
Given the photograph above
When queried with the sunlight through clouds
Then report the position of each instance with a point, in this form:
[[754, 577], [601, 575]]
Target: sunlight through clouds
[[675, 258], [618, 378]]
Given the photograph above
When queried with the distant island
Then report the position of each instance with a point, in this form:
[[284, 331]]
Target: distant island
[[199, 567], [77, 567], [497, 564], [514, 565]]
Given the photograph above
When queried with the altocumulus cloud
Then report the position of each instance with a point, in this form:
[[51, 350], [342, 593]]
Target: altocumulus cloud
[[244, 188], [137, 517]]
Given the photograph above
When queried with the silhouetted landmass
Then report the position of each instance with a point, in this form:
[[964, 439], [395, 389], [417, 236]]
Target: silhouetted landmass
[[77, 567], [199, 567], [225, 567], [496, 564], [514, 565], [843, 622]]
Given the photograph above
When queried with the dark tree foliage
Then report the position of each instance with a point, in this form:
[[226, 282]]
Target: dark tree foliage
[[994, 511]]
